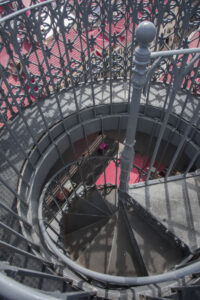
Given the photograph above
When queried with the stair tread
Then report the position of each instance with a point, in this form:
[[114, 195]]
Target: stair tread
[[157, 252], [73, 222], [175, 204], [96, 255], [81, 205], [122, 261], [94, 197], [77, 241]]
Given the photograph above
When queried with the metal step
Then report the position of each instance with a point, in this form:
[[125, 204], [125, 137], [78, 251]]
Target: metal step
[[122, 261], [77, 241], [94, 197], [96, 255], [82, 206], [175, 203], [157, 250], [73, 222]]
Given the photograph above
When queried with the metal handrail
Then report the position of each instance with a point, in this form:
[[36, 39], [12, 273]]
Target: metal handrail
[[23, 10], [174, 52]]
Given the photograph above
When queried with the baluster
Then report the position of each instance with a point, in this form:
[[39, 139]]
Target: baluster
[[145, 34]]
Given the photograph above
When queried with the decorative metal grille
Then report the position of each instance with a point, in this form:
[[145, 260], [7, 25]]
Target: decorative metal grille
[[56, 49], [59, 45]]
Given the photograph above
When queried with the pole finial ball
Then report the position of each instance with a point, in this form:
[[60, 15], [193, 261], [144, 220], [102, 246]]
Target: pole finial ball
[[145, 32]]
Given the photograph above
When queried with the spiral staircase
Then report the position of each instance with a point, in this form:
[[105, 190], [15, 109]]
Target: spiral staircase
[[99, 149]]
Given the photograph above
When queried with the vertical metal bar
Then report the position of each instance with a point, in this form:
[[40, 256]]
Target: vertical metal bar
[[192, 162], [116, 161], [71, 182], [134, 18], [183, 139], [178, 78], [110, 51], [89, 56], [25, 263], [181, 115], [103, 138], [41, 280], [60, 186], [78, 22], [88, 159], [53, 213], [159, 5], [145, 34], [62, 31], [148, 149], [104, 54], [126, 27], [80, 171], [50, 192]]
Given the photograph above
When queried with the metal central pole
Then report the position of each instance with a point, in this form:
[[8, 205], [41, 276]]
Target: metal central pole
[[145, 34]]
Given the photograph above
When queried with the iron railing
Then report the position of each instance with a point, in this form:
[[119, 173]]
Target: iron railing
[[65, 69], [58, 40]]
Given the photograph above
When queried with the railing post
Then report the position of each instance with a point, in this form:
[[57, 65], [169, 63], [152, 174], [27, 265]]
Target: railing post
[[145, 34]]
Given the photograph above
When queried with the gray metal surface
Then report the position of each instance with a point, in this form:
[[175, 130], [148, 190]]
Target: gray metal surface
[[175, 204], [145, 34], [155, 98], [55, 60]]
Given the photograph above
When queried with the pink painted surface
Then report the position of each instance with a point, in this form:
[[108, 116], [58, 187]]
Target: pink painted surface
[[112, 173]]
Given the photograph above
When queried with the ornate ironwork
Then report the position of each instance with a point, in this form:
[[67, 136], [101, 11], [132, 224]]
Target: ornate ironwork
[[59, 45], [55, 48]]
